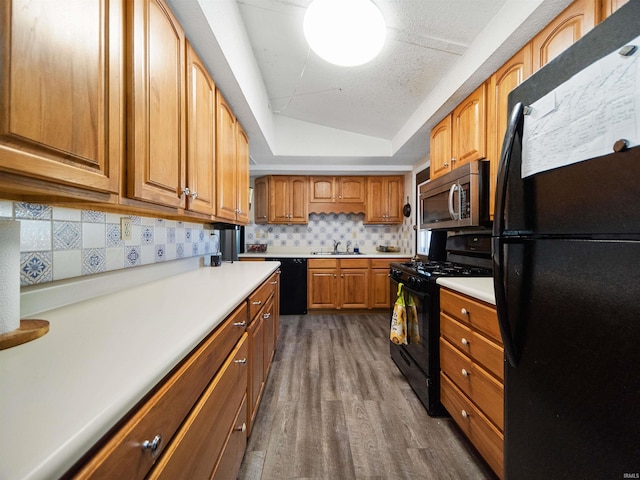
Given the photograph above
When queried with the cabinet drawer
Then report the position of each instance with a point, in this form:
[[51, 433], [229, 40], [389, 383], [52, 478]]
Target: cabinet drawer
[[481, 350], [385, 262], [231, 458], [196, 447], [485, 437], [484, 390], [322, 263], [259, 297], [479, 315], [354, 263], [162, 414]]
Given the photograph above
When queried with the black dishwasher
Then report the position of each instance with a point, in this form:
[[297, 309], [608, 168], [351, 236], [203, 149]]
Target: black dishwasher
[[293, 285]]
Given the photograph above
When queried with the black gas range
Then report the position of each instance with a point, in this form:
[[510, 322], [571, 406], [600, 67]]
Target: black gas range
[[467, 255]]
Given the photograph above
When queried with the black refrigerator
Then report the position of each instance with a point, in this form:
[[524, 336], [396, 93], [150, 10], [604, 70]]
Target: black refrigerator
[[566, 253]]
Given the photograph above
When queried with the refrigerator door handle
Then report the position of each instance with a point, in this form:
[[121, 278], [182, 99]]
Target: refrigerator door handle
[[515, 124]]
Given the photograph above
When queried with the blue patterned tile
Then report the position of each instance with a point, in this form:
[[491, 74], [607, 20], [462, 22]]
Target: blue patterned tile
[[161, 253], [113, 235], [32, 211], [171, 234], [187, 235], [146, 236], [67, 236], [91, 216], [136, 220], [94, 260], [132, 256], [35, 267], [194, 249], [179, 250]]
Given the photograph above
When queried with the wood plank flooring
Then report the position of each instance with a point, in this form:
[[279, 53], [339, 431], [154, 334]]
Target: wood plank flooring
[[336, 407]]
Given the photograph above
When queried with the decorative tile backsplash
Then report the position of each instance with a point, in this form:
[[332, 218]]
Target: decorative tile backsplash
[[58, 243], [323, 229]]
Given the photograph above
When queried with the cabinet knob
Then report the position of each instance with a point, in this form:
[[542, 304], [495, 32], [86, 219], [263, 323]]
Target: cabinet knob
[[242, 361], [464, 341], [266, 315], [465, 373], [465, 414], [242, 428], [194, 195], [153, 445], [240, 324], [464, 311], [453, 160], [445, 164], [274, 282], [186, 191]]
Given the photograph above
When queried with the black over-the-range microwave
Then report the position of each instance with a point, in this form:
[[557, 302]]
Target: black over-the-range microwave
[[458, 199]]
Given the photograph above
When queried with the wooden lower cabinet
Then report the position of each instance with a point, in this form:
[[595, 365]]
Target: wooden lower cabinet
[[336, 284], [195, 423], [472, 373], [197, 446], [263, 333], [160, 417]]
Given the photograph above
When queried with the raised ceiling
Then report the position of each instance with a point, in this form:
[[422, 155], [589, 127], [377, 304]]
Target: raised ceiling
[[303, 114]]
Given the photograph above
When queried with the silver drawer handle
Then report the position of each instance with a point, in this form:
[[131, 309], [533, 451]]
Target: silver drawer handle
[[274, 283], [266, 315], [464, 341], [465, 414], [465, 373], [464, 311], [152, 445], [259, 302], [240, 324], [242, 429], [242, 361]]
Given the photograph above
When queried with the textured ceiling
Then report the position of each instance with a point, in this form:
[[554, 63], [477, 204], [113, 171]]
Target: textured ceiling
[[304, 114]]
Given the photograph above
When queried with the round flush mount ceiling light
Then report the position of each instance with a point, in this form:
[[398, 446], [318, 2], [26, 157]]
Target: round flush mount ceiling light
[[345, 32]]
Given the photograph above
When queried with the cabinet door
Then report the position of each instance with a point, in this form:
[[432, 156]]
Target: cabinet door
[[226, 171], [610, 6], [322, 288], [268, 318], [261, 200], [379, 296], [279, 201], [376, 204], [440, 148], [242, 167], [506, 78], [394, 193], [354, 286], [299, 206], [61, 92], [256, 368], [157, 153], [351, 189], [469, 129], [567, 28], [322, 190], [201, 123]]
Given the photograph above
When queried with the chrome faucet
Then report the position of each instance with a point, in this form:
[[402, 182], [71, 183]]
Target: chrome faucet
[[348, 245], [335, 246]]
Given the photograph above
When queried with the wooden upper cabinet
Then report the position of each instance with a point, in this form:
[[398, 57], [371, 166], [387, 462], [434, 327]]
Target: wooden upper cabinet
[[226, 171], [242, 166], [610, 6], [322, 189], [347, 189], [469, 124], [201, 146], [61, 91], [288, 199], [384, 199], [156, 120], [440, 148], [505, 79], [261, 200], [351, 189], [567, 28]]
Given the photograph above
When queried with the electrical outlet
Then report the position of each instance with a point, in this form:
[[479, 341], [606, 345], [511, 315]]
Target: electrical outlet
[[125, 228]]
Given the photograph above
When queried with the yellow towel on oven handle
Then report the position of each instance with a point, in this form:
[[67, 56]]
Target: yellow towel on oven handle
[[398, 334], [412, 320]]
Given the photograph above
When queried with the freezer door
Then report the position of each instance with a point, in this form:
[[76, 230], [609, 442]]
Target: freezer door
[[572, 399]]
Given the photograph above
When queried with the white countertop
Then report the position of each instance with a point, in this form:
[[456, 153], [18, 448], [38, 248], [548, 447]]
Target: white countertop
[[61, 393], [480, 288], [308, 254]]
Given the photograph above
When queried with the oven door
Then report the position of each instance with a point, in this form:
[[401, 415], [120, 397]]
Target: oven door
[[423, 348]]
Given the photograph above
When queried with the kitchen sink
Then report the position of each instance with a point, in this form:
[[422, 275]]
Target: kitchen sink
[[329, 254]]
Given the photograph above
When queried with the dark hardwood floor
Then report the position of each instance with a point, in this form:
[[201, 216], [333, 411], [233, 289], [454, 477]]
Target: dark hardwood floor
[[336, 407]]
